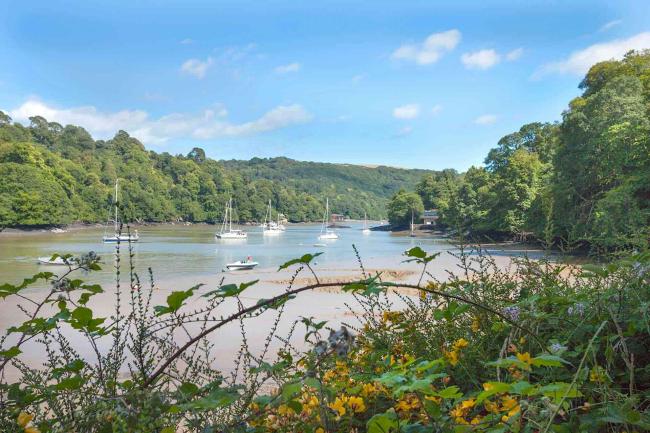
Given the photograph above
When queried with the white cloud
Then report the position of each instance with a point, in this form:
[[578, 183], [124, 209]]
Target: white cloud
[[409, 111], [430, 50], [187, 41], [610, 25], [196, 67], [580, 61], [404, 131], [485, 119], [436, 109], [357, 78], [483, 59], [210, 124], [285, 69], [515, 54]]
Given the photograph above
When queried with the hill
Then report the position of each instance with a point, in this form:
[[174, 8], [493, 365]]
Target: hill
[[54, 174]]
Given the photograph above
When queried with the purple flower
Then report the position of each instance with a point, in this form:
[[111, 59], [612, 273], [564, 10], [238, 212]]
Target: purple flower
[[576, 310], [512, 313]]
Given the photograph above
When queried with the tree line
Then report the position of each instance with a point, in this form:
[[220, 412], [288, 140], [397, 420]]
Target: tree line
[[54, 175], [582, 182]]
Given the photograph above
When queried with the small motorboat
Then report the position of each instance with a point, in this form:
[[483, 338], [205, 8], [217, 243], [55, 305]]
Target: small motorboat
[[58, 261], [242, 264], [320, 245]]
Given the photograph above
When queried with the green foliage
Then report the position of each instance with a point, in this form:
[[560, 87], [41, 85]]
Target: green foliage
[[58, 175], [403, 206], [583, 182], [571, 357]]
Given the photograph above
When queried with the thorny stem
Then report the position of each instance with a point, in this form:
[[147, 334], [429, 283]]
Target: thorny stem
[[271, 301]]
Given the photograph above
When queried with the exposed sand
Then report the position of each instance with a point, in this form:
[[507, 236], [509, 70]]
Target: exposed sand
[[326, 304]]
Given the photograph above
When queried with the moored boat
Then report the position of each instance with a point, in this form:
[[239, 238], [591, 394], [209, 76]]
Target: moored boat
[[325, 232], [242, 264], [227, 232]]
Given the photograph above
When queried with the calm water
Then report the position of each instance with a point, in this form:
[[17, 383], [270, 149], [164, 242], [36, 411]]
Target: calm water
[[193, 250]]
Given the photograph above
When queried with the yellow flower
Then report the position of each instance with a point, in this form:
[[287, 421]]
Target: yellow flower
[[356, 404], [339, 405], [32, 430], [597, 374], [433, 398], [460, 343], [452, 357], [24, 419], [319, 430], [491, 406], [510, 405], [525, 358], [368, 389], [285, 410], [468, 404]]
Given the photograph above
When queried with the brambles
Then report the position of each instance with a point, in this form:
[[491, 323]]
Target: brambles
[[540, 347]]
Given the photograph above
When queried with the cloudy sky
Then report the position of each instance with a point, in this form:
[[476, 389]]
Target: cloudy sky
[[429, 84]]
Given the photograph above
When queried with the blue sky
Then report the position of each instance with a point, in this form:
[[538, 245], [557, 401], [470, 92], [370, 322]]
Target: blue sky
[[427, 84]]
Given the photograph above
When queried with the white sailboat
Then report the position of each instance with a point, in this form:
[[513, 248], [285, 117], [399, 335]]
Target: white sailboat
[[325, 232], [366, 230], [412, 225], [227, 231], [117, 236], [270, 227]]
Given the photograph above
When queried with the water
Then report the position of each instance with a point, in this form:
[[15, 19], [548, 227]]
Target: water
[[192, 251]]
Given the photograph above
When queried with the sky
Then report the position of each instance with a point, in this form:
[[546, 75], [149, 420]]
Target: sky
[[417, 84]]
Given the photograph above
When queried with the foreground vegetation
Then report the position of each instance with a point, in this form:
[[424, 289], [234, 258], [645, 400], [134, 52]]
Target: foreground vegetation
[[540, 347], [583, 182]]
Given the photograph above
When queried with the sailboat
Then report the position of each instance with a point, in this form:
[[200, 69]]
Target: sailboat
[[117, 236], [325, 232], [227, 231], [412, 225], [366, 230], [270, 227]]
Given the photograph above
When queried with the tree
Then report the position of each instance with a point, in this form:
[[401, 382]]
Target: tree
[[197, 155], [402, 206]]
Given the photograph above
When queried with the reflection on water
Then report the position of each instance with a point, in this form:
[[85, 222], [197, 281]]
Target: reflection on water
[[193, 250]]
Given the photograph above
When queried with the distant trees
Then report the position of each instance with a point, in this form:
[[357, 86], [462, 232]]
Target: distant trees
[[56, 175]]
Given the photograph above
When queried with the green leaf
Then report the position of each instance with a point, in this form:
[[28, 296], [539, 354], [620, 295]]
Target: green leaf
[[548, 361], [175, 301], [419, 255], [558, 390], [290, 389], [383, 423], [495, 388], [188, 388], [229, 290], [305, 260], [70, 383], [12, 352], [449, 392]]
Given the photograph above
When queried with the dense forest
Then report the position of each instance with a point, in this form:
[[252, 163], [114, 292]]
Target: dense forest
[[54, 175], [584, 181]]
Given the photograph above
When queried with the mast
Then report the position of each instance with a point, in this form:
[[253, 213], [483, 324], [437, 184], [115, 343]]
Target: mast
[[230, 219], [115, 203], [411, 221]]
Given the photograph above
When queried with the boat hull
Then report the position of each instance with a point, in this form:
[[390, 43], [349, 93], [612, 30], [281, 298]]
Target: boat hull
[[112, 239], [241, 266]]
